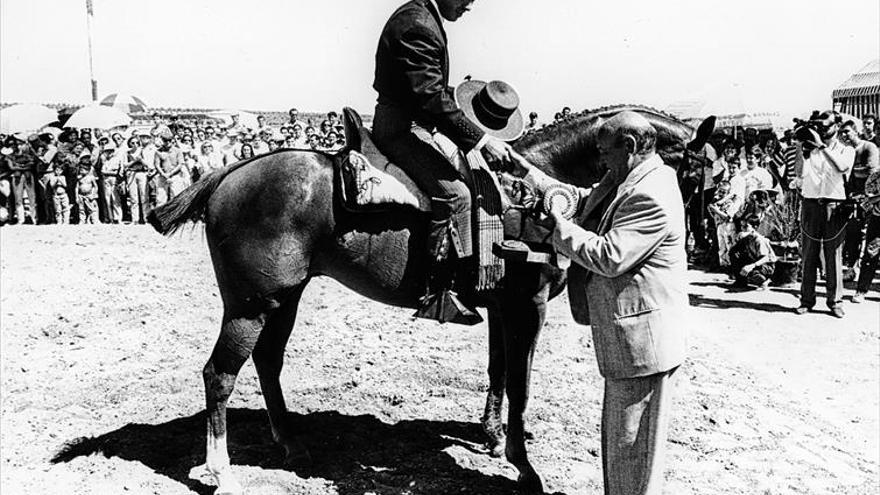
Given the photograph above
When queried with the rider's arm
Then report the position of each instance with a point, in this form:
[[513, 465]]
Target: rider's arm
[[420, 56]]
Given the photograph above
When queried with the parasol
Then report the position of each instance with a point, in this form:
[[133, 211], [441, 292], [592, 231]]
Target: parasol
[[25, 118], [125, 102], [98, 117]]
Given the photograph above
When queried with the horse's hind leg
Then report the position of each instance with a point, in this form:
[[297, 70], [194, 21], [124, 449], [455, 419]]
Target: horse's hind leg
[[238, 336], [269, 359]]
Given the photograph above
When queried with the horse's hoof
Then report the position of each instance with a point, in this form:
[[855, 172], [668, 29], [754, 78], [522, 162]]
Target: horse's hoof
[[530, 484], [496, 448]]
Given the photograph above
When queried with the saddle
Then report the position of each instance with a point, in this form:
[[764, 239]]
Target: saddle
[[368, 180]]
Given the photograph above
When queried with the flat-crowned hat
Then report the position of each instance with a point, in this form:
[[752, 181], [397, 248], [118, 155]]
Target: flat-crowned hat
[[494, 106]]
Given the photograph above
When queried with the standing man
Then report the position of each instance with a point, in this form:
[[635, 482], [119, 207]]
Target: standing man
[[412, 80], [111, 171], [628, 281], [870, 132], [866, 161], [823, 218]]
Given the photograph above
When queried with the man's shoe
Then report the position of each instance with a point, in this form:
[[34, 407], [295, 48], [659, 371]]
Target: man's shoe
[[445, 307], [802, 310], [838, 312], [858, 298]]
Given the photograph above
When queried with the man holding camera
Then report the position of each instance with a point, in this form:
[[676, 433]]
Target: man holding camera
[[824, 214]]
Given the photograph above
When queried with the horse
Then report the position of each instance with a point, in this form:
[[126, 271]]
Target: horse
[[274, 222]]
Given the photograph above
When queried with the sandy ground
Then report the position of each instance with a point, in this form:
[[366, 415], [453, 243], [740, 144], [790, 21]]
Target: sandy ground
[[105, 331]]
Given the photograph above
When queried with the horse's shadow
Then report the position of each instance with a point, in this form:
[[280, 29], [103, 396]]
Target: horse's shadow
[[357, 453]]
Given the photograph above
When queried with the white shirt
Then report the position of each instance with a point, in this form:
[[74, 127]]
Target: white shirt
[[746, 181], [821, 179]]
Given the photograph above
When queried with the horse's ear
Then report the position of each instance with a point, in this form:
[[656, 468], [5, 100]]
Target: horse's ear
[[352, 123]]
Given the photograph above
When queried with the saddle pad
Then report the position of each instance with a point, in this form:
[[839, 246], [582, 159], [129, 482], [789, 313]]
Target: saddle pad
[[368, 185]]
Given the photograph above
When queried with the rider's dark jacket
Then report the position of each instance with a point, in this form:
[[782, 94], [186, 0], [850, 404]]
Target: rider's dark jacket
[[412, 73]]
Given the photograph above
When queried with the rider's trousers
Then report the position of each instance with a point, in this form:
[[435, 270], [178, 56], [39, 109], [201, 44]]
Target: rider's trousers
[[412, 148]]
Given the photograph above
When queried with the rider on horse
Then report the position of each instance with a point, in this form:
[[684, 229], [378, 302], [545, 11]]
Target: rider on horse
[[412, 79]]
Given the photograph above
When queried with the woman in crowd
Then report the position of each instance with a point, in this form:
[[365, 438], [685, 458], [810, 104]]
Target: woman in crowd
[[136, 181], [247, 151]]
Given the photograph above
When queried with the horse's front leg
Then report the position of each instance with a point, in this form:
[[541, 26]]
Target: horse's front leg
[[491, 421], [523, 308]]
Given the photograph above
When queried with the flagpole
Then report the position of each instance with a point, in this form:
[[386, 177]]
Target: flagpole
[[90, 12]]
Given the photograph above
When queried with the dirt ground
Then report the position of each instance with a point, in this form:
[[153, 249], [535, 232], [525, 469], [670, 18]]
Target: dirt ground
[[105, 330]]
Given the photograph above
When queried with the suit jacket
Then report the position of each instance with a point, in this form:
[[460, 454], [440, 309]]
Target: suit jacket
[[635, 279], [412, 73]]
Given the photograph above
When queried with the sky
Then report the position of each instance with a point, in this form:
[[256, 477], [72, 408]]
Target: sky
[[778, 55]]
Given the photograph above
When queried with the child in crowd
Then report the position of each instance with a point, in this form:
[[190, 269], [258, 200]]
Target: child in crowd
[[87, 192], [57, 184], [752, 258], [723, 208]]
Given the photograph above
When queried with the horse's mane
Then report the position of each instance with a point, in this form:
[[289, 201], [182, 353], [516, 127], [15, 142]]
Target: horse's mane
[[576, 119], [567, 149]]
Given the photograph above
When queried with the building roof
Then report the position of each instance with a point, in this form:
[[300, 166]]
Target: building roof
[[864, 82]]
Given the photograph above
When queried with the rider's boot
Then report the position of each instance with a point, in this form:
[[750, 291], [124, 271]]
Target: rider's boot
[[441, 303]]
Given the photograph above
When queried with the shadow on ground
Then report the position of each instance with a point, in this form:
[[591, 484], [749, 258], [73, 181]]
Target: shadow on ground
[[708, 302], [356, 453]]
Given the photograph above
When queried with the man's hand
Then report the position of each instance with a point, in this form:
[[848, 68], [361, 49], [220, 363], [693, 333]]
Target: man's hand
[[497, 153], [746, 270]]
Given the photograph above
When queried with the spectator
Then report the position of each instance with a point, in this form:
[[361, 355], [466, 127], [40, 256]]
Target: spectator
[[751, 178], [871, 204], [325, 128], [774, 161], [723, 209], [261, 144], [168, 164], [230, 150], [208, 159], [823, 217], [752, 258], [870, 132], [45, 153], [533, 122], [261, 124], [136, 179], [21, 164], [293, 119], [315, 142], [247, 151], [566, 113], [87, 190], [57, 185], [557, 117], [111, 171], [300, 141], [865, 162], [333, 119]]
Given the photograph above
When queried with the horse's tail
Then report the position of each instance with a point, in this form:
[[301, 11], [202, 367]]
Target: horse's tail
[[191, 204]]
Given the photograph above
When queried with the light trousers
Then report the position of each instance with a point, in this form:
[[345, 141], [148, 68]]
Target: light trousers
[[635, 419]]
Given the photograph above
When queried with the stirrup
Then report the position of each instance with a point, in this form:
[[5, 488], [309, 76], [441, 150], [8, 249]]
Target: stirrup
[[445, 307]]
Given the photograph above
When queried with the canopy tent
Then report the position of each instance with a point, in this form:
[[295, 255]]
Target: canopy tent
[[860, 94], [731, 108]]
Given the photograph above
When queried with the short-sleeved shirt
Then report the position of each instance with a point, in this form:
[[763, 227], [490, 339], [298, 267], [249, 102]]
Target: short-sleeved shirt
[[821, 178]]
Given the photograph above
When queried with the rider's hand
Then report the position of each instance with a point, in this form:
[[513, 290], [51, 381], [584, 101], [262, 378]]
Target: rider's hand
[[519, 166], [497, 153]]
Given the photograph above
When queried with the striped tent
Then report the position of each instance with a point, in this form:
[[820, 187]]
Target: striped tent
[[127, 103], [860, 94]]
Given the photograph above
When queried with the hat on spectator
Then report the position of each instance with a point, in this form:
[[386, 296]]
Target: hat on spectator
[[85, 154], [493, 106], [166, 134], [110, 146]]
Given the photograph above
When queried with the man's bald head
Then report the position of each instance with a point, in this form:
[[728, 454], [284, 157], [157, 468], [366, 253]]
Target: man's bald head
[[625, 141], [630, 130]]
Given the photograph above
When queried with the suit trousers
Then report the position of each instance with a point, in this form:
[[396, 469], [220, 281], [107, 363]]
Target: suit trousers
[[823, 223], [635, 419], [412, 149]]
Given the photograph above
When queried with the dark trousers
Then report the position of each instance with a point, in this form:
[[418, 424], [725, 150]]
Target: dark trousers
[[410, 147], [823, 225], [870, 255], [855, 234]]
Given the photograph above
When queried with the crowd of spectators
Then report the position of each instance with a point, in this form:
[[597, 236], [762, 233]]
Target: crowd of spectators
[[90, 176], [810, 195]]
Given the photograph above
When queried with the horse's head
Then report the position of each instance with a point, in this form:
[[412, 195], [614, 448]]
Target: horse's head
[[567, 150]]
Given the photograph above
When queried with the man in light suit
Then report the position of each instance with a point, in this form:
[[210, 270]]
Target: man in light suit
[[628, 282]]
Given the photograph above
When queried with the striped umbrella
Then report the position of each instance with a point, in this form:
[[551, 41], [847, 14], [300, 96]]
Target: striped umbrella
[[125, 102]]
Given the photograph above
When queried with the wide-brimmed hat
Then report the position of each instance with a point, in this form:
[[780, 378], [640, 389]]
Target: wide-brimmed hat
[[494, 106]]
